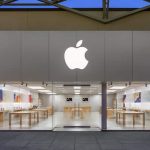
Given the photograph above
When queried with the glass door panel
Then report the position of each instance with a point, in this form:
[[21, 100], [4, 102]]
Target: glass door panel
[[76, 106]]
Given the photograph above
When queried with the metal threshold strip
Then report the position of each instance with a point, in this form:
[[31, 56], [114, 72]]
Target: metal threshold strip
[[77, 126]]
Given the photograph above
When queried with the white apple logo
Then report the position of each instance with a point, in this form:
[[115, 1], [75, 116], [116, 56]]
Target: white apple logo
[[75, 56]]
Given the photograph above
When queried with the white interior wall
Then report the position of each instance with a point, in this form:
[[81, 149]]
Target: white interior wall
[[110, 99], [59, 101], [45, 100], [145, 95], [9, 90]]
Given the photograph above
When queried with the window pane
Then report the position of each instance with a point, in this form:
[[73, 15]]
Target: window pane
[[128, 106], [25, 107]]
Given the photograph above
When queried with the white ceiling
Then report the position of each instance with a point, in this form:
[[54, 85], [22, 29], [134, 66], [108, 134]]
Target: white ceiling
[[93, 89]]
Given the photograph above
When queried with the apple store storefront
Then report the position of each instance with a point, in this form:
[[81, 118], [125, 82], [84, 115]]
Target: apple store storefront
[[74, 80]]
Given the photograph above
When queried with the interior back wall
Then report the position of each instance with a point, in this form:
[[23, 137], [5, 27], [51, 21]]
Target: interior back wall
[[130, 95], [59, 101]]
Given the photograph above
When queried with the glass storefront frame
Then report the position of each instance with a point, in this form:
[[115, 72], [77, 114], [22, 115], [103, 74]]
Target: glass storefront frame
[[75, 111], [105, 111]]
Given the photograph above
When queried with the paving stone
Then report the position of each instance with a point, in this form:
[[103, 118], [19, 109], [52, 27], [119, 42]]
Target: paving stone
[[137, 146], [38, 140], [85, 139], [87, 147], [62, 146], [112, 146]]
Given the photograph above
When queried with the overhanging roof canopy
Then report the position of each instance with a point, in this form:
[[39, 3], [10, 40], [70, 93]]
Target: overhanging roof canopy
[[70, 5], [75, 4]]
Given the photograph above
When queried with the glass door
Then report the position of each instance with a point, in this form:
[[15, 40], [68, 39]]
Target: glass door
[[77, 106]]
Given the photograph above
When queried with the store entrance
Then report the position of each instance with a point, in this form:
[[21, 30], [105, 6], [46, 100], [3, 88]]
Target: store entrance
[[77, 107], [50, 106]]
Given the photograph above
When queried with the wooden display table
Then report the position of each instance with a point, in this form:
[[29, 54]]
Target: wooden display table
[[77, 110], [1, 116], [44, 111], [147, 111], [21, 113], [133, 113], [50, 110], [85, 108], [68, 108], [110, 112]]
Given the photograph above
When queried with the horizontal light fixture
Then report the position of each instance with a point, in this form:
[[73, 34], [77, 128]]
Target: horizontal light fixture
[[111, 91], [51, 93], [59, 86], [77, 93], [36, 87], [117, 87], [45, 91], [108, 91], [77, 87]]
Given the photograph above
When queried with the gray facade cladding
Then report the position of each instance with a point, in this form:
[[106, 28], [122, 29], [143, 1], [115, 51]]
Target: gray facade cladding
[[39, 55]]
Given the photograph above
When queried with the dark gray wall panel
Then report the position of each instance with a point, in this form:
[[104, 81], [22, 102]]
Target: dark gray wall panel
[[118, 55], [59, 42], [141, 55], [94, 42], [10, 56], [35, 56]]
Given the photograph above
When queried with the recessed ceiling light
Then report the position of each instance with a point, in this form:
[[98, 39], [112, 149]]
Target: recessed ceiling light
[[111, 91], [117, 87], [77, 87], [36, 87], [77, 93], [45, 91], [59, 86], [94, 86], [51, 93]]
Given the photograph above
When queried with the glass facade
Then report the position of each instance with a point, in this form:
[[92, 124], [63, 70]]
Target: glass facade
[[79, 4], [21, 108], [64, 106], [50, 106], [128, 106]]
